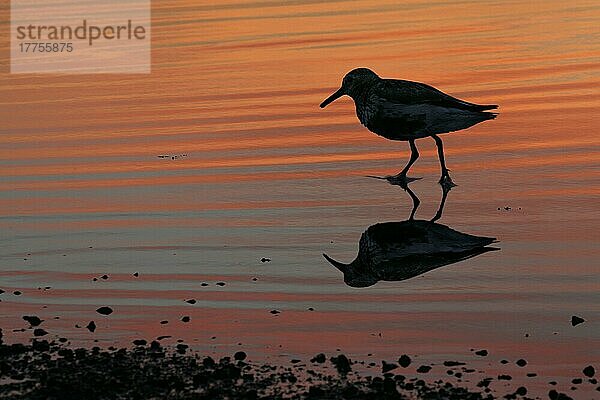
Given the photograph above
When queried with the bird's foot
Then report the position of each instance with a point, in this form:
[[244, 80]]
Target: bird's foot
[[399, 180], [446, 181]]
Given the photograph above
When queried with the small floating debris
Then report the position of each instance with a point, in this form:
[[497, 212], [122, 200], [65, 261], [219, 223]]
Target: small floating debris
[[575, 320], [265, 259], [521, 362], [164, 322], [275, 312], [17, 293], [91, 326], [136, 274], [191, 301], [220, 283], [481, 353], [185, 319], [104, 310]]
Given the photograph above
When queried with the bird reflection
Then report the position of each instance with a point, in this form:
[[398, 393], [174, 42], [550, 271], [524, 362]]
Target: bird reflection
[[396, 251]]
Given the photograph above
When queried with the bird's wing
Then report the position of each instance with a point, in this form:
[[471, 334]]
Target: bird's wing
[[407, 92]]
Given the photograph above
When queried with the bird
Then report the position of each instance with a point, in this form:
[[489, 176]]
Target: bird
[[405, 110]]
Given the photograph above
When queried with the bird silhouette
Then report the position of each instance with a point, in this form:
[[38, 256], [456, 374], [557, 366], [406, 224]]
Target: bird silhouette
[[405, 110], [397, 251]]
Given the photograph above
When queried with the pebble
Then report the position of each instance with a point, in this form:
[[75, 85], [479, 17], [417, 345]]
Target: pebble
[[104, 310]]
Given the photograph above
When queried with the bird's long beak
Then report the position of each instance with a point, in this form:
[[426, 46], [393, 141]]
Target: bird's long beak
[[339, 93], [342, 267]]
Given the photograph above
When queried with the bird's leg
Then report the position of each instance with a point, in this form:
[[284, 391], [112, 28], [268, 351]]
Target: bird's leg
[[445, 179], [414, 154]]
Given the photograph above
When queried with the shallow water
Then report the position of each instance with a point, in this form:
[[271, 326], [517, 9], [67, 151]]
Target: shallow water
[[255, 169]]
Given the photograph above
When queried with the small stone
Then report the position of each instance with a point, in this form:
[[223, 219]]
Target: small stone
[[185, 319], [220, 283], [423, 369], [589, 371], [453, 363], [17, 293], [163, 322], [140, 342], [575, 320], [503, 361], [319, 358], [521, 391], [311, 309], [39, 332], [275, 312], [104, 310], [136, 274], [265, 259], [481, 353], [531, 374], [404, 361], [504, 377], [239, 356], [521, 363], [576, 381], [33, 320], [204, 284], [387, 367], [191, 301], [341, 363], [255, 279], [105, 277], [91, 326]]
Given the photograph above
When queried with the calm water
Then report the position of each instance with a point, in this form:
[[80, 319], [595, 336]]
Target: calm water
[[260, 171]]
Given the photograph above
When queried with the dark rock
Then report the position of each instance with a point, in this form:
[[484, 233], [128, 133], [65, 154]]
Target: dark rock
[[17, 293], [521, 362], [453, 363], [589, 371], [239, 356], [481, 353], [140, 342], [220, 283], [387, 367], [531, 374], [204, 284], [319, 358], [264, 260], [275, 312], [185, 319], [504, 377], [39, 332], [33, 320], [404, 361], [521, 391], [104, 310], [163, 322], [341, 363], [575, 320], [503, 361], [191, 301], [91, 326], [105, 277], [577, 381], [423, 369], [136, 274]]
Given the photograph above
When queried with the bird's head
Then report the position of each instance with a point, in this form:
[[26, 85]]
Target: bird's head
[[353, 83]]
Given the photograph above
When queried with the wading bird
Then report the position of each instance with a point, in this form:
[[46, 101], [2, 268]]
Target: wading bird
[[405, 110]]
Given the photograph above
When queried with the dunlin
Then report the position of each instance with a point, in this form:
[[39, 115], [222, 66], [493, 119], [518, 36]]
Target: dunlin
[[405, 110]]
